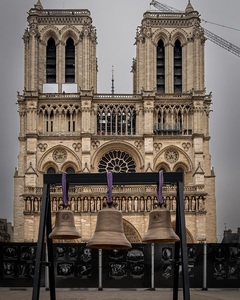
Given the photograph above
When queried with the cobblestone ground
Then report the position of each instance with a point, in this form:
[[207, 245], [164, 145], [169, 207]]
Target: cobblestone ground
[[114, 294]]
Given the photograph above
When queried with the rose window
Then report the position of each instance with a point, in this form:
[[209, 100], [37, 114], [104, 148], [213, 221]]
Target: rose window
[[117, 161], [171, 155], [60, 155]]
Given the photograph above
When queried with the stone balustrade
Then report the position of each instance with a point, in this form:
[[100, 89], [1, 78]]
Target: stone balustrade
[[127, 203]]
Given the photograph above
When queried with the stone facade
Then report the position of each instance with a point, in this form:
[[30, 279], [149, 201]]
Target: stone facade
[[66, 126]]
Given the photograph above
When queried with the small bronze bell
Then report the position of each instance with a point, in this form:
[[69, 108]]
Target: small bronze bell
[[64, 226], [160, 229], [109, 232]]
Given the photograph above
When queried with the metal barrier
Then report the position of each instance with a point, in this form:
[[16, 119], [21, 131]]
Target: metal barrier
[[79, 267]]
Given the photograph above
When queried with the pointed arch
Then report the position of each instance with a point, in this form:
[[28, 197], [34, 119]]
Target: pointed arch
[[177, 61], [122, 146], [180, 167], [189, 236], [162, 166], [131, 232], [162, 34], [51, 61], [183, 168], [47, 157], [50, 31], [160, 58], [50, 165], [184, 159], [70, 32], [179, 34], [51, 170], [70, 61], [71, 166]]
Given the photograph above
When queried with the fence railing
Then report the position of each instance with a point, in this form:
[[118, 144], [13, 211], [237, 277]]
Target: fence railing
[[78, 266]]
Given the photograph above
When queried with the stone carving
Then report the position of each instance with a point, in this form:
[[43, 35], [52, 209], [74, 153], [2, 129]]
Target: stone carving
[[60, 155], [42, 147], [138, 144], [95, 144], [157, 146], [171, 155], [76, 146], [186, 146]]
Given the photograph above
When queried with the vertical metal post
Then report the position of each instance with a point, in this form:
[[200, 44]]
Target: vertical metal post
[[40, 245], [100, 270], [50, 252], [176, 259], [46, 270], [152, 267], [183, 241], [205, 267]]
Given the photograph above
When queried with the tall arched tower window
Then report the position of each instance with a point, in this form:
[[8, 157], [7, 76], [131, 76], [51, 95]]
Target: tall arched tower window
[[70, 61], [177, 67], [160, 67], [51, 61]]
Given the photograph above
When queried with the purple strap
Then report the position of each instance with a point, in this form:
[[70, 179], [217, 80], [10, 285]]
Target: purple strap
[[64, 189], [109, 181], [159, 188]]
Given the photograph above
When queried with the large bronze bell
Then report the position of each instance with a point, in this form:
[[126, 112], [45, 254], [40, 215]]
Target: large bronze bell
[[160, 229], [109, 232], [64, 226]]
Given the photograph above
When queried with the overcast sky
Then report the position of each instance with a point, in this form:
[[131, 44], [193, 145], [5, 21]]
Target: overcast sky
[[116, 23]]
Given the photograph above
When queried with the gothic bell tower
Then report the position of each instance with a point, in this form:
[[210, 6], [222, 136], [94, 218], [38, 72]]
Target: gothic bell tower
[[169, 72], [59, 57], [59, 64], [170, 52]]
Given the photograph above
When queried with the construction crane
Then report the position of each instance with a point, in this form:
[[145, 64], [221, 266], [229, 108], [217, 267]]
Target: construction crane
[[210, 35], [163, 7]]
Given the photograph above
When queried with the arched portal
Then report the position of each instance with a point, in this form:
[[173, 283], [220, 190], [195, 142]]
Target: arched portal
[[189, 236], [131, 232]]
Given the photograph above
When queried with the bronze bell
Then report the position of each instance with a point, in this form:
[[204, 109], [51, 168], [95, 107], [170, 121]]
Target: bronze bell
[[109, 232], [64, 226], [160, 229]]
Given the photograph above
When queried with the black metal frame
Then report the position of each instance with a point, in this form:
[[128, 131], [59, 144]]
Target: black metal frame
[[118, 179]]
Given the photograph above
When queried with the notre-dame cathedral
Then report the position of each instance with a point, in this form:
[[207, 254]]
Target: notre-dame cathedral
[[67, 126]]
